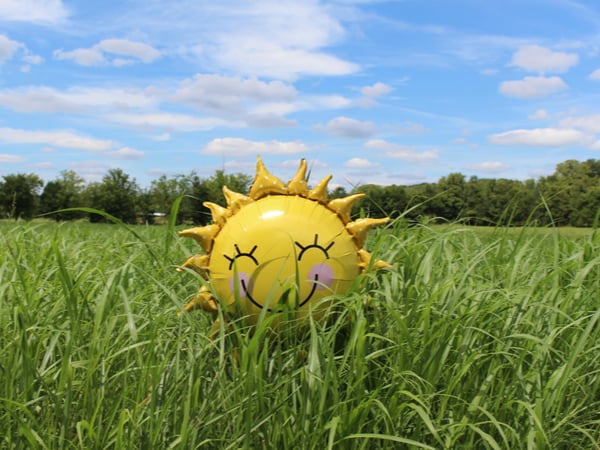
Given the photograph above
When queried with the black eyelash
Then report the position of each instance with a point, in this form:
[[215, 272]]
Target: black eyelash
[[315, 244], [240, 253]]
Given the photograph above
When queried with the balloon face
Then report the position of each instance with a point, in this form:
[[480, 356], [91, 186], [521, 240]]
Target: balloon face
[[282, 246], [282, 249]]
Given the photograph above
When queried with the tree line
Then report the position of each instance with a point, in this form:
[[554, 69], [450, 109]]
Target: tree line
[[569, 196]]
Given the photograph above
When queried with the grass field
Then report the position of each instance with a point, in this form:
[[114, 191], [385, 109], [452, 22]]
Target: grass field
[[478, 339]]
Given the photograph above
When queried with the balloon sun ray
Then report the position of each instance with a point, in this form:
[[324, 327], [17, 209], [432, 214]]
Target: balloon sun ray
[[278, 247]]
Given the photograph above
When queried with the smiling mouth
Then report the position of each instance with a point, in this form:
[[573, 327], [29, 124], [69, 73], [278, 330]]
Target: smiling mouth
[[314, 283]]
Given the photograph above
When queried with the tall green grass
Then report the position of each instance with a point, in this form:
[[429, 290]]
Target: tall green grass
[[475, 340]]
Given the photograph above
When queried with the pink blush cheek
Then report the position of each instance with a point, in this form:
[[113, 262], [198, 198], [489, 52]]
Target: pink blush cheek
[[322, 274], [241, 277]]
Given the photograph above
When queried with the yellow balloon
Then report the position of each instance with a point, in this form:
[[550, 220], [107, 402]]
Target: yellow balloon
[[279, 247], [282, 247]]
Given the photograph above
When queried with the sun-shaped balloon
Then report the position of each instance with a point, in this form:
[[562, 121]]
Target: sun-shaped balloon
[[279, 246]]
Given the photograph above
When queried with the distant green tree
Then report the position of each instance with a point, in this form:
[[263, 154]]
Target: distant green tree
[[571, 192], [211, 189], [163, 192], [19, 195], [64, 192], [492, 201], [237, 182], [382, 201], [423, 201], [338, 192], [117, 195], [453, 198]]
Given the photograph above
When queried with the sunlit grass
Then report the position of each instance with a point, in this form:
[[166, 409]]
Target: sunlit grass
[[477, 339]]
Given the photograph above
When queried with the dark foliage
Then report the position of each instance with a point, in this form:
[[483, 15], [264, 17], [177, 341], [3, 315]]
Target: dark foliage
[[570, 196]]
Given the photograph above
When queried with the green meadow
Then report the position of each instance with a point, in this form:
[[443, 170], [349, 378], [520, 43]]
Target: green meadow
[[478, 338]]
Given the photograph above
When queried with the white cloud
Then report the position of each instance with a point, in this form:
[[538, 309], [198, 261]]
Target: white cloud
[[535, 58], [542, 137], [532, 87], [34, 11], [376, 90], [595, 145], [540, 114], [10, 159], [324, 102], [8, 48], [172, 122], [399, 151], [347, 127], [90, 170], [359, 163], [241, 147], [30, 58], [76, 99], [125, 47], [589, 123], [126, 153], [64, 139], [595, 75], [274, 39], [82, 56], [489, 167], [100, 54], [264, 58], [230, 95]]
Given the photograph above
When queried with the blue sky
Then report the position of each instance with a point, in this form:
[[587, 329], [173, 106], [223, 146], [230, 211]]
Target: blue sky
[[388, 92]]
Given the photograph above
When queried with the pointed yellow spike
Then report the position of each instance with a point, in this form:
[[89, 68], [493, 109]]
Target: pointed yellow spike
[[360, 227], [343, 206], [218, 213], [202, 300], [235, 200], [365, 261], [198, 263], [203, 235], [265, 183], [297, 185], [319, 193]]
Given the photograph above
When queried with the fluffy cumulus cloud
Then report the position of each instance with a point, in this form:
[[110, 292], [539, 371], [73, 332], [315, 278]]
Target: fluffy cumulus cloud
[[347, 127], [249, 101], [63, 139], [359, 163], [127, 48], [10, 159], [532, 87], [399, 151], [30, 99], [542, 137], [540, 114], [535, 58], [595, 75], [589, 123], [126, 153], [172, 122], [228, 95], [376, 90], [35, 11], [276, 39], [233, 147], [8, 48], [488, 167], [116, 52]]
